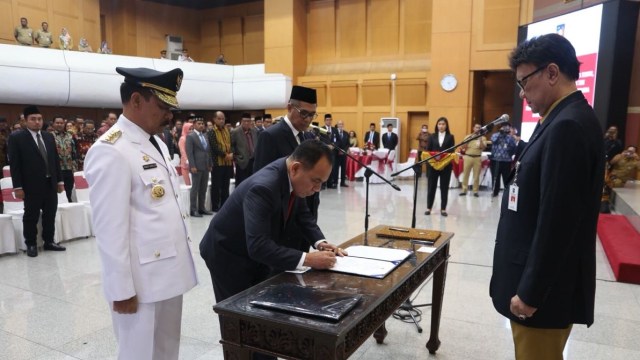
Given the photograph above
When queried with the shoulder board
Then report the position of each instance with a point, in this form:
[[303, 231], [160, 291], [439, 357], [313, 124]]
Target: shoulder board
[[112, 136]]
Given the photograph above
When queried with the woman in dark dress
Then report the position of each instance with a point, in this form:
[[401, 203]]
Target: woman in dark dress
[[440, 168]]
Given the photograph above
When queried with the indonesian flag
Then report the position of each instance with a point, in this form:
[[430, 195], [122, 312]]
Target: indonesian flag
[[441, 161]]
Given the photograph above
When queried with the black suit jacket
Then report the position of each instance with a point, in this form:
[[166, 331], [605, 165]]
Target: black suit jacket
[[376, 138], [390, 143], [28, 169], [545, 251], [250, 230], [342, 141], [275, 142]]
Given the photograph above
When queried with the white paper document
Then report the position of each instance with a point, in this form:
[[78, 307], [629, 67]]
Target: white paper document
[[370, 261]]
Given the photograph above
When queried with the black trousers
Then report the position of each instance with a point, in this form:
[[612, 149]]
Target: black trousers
[[339, 164], [432, 184], [220, 179], [42, 198], [500, 169], [67, 178], [243, 174]]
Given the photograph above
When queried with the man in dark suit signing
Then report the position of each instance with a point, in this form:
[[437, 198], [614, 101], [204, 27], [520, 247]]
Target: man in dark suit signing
[[544, 259], [200, 164], [36, 177]]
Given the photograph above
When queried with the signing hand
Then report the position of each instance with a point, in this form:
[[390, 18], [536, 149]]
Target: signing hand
[[320, 259], [129, 306], [520, 309], [325, 246]]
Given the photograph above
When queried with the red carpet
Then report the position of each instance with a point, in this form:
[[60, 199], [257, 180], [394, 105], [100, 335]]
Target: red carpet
[[621, 243]]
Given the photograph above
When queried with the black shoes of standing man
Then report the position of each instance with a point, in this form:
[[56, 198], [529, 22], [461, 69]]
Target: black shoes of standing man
[[32, 250], [200, 213]]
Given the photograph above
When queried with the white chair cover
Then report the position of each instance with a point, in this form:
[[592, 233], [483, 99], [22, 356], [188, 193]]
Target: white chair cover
[[7, 235], [410, 162], [74, 219]]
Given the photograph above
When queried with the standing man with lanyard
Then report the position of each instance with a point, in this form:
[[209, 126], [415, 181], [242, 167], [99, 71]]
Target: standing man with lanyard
[[142, 236], [544, 263]]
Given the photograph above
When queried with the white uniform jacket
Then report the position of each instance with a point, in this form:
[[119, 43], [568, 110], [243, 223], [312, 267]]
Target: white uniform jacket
[[141, 234]]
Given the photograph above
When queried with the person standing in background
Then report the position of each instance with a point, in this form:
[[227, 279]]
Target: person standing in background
[[36, 177], [472, 160], [439, 168], [23, 33], [220, 140], [197, 153], [65, 40], [544, 263], [43, 37], [66, 147], [243, 141]]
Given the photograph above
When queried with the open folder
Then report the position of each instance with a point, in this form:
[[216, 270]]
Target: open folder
[[322, 303], [370, 261]]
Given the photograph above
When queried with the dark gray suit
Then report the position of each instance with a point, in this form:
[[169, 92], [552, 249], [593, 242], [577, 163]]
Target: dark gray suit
[[199, 158], [242, 152]]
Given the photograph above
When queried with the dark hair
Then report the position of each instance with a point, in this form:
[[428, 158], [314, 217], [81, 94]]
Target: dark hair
[[258, 118], [127, 89], [546, 49], [53, 119], [89, 122], [389, 124], [246, 115], [372, 124], [267, 116], [309, 152], [327, 116], [445, 121]]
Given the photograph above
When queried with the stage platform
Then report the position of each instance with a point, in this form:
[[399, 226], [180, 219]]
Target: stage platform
[[626, 201]]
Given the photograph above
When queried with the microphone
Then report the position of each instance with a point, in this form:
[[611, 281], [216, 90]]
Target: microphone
[[321, 129], [501, 120]]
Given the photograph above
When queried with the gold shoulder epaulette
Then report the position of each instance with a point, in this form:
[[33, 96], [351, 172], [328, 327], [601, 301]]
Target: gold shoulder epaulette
[[112, 136]]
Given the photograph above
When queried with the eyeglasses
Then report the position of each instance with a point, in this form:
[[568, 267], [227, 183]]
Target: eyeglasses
[[523, 82], [305, 114]]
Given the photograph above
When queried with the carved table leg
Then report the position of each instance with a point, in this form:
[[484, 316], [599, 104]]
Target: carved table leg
[[436, 299], [233, 352], [380, 334]]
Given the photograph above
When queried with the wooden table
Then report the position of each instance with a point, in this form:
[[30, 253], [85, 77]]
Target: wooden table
[[246, 328]]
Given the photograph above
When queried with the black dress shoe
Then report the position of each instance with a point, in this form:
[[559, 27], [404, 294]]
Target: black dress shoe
[[332, 186], [205, 212], [344, 185], [215, 209], [32, 251], [195, 215], [54, 247], [476, 195]]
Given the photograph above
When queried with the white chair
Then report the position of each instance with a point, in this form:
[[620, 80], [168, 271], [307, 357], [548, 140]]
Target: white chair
[[15, 208], [74, 219], [405, 165], [82, 194], [379, 165], [7, 235]]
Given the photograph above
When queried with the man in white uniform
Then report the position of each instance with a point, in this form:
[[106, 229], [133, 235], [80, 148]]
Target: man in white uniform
[[142, 237]]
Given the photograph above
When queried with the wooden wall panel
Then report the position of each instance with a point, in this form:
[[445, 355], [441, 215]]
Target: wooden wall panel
[[231, 40], [383, 27], [344, 93], [351, 28], [411, 93], [417, 26], [253, 39], [7, 18], [376, 93], [321, 33]]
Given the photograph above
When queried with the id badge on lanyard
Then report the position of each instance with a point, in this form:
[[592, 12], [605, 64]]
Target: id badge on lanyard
[[513, 191]]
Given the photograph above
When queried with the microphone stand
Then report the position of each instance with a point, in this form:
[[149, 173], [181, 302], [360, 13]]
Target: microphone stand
[[407, 306], [367, 174]]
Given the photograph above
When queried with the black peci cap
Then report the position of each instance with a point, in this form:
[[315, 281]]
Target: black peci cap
[[305, 94]]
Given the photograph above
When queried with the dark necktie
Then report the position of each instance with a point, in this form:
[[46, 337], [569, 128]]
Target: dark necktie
[[300, 137], [292, 200], [43, 152], [249, 142], [155, 145]]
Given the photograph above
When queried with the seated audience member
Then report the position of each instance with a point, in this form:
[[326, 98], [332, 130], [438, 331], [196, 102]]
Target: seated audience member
[[84, 46], [23, 33], [104, 48], [84, 140], [353, 139], [220, 60], [267, 120], [624, 167], [109, 121], [185, 56], [163, 55], [612, 145], [65, 40], [43, 37]]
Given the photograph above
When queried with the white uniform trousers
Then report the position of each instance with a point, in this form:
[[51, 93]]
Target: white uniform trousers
[[152, 333]]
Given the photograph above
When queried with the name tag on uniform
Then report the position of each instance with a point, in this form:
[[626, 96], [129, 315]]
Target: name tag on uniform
[[149, 166], [513, 197]]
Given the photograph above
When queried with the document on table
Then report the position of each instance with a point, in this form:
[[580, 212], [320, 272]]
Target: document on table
[[370, 261]]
